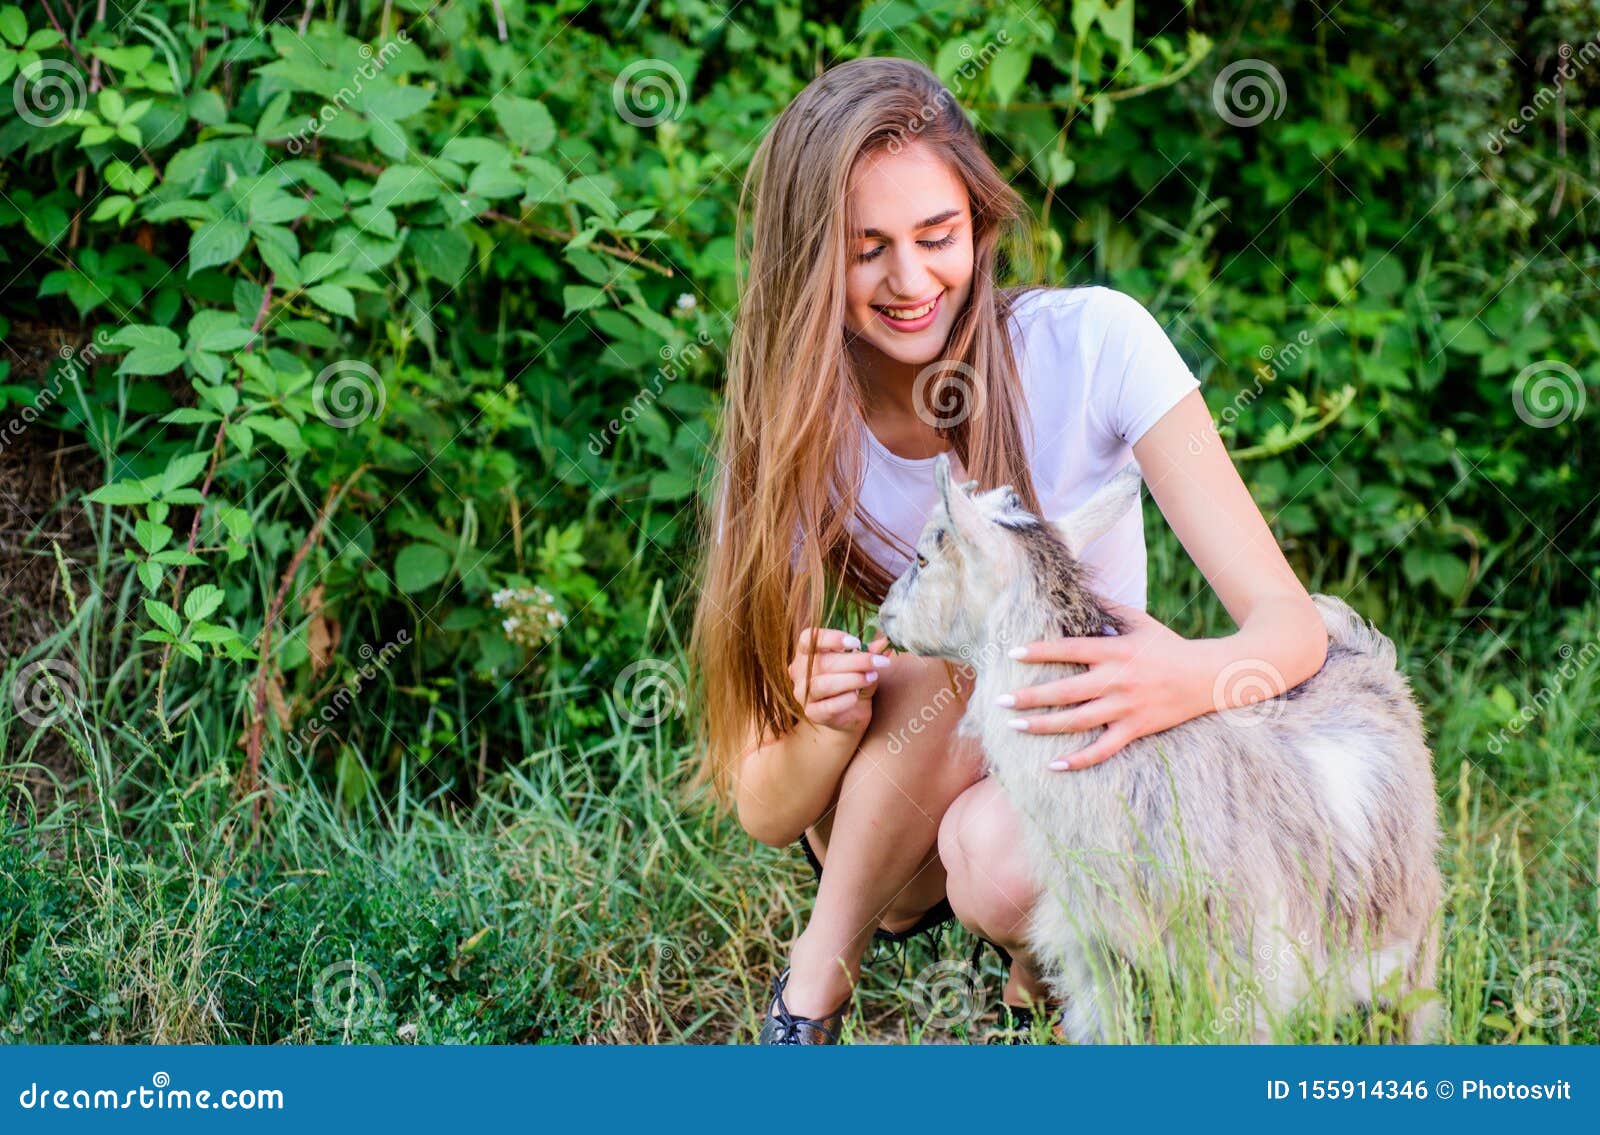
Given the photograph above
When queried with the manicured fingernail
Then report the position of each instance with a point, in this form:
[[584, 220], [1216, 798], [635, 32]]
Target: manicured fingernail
[[1061, 766], [1005, 700], [852, 642], [872, 676], [881, 660], [1019, 723], [1017, 652]]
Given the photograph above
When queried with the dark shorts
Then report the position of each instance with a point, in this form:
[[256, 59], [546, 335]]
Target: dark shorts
[[934, 919]]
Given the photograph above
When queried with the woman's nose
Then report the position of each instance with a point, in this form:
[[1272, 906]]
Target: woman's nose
[[908, 276]]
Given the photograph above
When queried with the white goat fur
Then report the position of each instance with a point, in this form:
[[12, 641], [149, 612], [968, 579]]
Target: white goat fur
[[1301, 832]]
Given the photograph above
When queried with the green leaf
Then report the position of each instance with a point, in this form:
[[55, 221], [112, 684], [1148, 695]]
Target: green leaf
[[419, 566], [217, 243], [163, 616], [581, 297], [201, 602], [445, 254], [332, 297], [183, 470], [527, 123], [123, 492]]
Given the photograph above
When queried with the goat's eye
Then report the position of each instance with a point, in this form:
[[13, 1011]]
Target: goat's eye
[[922, 560]]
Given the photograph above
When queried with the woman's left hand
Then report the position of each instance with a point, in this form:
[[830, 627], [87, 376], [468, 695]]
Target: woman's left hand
[[1138, 682]]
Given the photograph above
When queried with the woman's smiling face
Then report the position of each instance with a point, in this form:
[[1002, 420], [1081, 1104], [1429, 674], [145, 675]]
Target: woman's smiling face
[[911, 257]]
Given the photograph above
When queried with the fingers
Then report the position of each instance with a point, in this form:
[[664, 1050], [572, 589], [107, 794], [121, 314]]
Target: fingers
[[1061, 692], [1078, 649], [1105, 746], [836, 706], [1101, 711], [831, 685], [817, 640]]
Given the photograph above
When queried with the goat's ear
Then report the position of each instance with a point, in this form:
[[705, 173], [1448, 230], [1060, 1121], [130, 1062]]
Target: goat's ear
[[1095, 516], [955, 498]]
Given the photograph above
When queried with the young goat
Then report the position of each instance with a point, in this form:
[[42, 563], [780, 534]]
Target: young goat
[[1299, 832]]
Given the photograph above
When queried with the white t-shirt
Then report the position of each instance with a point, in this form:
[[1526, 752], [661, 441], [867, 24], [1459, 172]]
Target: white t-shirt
[[1097, 371]]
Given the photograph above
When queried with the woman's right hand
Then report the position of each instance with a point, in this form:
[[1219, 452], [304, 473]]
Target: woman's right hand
[[843, 678]]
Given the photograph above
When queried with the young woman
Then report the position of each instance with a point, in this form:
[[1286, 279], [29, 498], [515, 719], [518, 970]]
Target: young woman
[[871, 336]]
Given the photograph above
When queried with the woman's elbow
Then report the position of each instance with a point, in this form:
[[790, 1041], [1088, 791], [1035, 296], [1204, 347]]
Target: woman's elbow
[[761, 823]]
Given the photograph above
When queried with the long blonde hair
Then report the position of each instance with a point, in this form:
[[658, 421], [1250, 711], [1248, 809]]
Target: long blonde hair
[[787, 450]]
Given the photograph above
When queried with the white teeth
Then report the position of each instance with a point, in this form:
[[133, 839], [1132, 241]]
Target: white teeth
[[906, 314]]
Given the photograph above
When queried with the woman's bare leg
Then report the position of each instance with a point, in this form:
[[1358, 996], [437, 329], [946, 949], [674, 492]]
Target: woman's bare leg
[[878, 842], [988, 880]]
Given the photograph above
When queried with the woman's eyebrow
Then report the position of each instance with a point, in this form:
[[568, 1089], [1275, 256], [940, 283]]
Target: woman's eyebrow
[[927, 224]]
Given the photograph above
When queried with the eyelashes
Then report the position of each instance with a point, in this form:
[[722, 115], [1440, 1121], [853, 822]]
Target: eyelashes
[[942, 242]]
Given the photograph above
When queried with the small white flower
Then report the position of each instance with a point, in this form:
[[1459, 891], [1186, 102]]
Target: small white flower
[[507, 625], [686, 302], [501, 596]]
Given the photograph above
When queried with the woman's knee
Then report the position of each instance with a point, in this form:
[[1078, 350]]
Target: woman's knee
[[991, 888]]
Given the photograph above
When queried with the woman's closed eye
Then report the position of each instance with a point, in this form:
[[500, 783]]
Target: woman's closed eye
[[943, 242]]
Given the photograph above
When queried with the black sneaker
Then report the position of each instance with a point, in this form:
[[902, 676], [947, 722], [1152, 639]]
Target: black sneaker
[[784, 1027], [1013, 1024]]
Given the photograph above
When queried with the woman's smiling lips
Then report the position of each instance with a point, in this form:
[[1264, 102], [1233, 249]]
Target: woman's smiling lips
[[920, 314]]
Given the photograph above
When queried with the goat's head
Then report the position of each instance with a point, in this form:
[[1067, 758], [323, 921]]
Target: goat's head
[[983, 552]]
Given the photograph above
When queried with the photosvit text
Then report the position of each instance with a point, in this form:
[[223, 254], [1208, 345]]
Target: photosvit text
[[1416, 1090]]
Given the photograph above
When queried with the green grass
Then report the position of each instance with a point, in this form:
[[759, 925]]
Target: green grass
[[572, 901]]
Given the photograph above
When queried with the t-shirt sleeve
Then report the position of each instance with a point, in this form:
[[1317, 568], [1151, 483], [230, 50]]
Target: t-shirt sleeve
[[1138, 374]]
